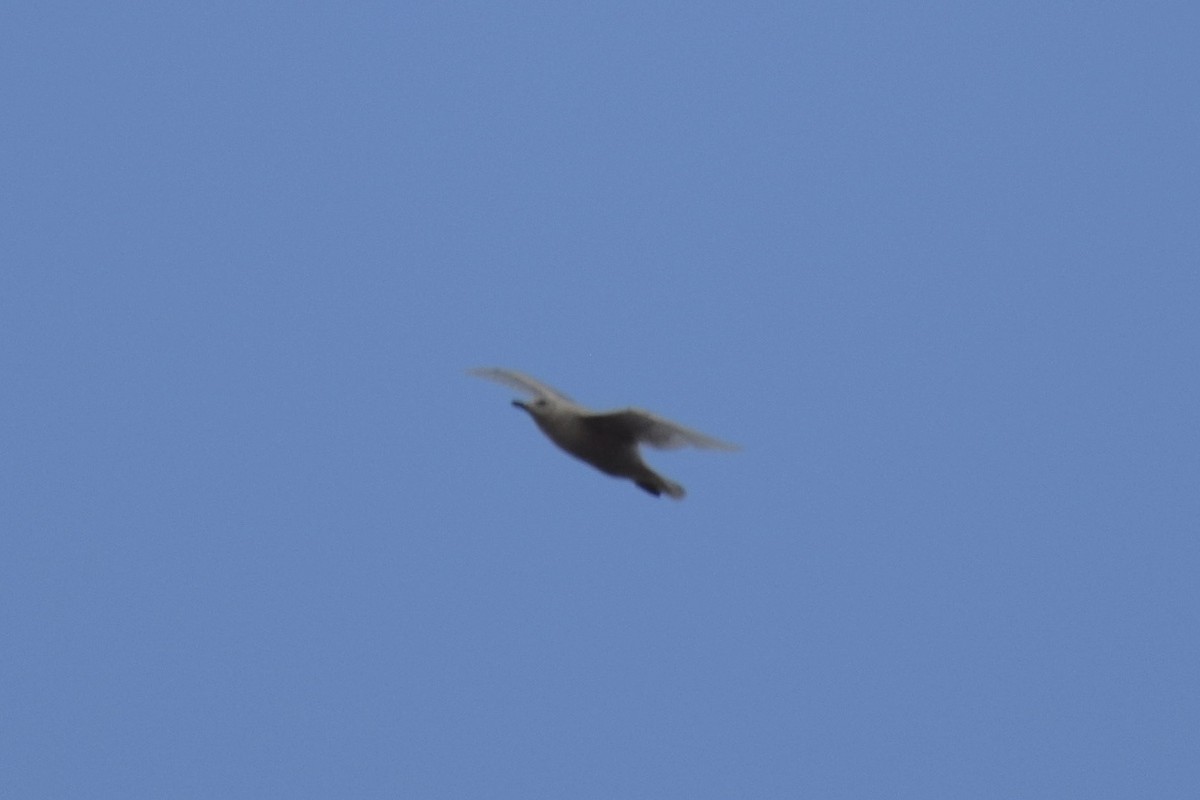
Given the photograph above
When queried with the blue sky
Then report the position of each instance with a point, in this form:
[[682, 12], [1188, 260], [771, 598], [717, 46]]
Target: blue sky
[[934, 266]]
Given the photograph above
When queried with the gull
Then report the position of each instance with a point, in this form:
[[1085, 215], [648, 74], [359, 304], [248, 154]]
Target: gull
[[607, 440]]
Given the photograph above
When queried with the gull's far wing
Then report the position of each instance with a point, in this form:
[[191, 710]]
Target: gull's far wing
[[635, 425], [520, 382]]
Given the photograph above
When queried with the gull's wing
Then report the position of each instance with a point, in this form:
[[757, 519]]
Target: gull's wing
[[635, 425], [520, 382]]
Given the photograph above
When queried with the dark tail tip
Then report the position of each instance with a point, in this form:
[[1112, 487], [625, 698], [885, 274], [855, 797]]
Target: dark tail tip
[[649, 487]]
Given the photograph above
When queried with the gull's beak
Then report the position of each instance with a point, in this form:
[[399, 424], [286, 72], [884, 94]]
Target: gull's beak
[[520, 405]]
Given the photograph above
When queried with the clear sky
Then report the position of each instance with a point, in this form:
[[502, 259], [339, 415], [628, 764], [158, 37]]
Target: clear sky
[[935, 266]]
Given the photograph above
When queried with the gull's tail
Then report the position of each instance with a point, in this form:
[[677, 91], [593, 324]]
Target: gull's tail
[[657, 485]]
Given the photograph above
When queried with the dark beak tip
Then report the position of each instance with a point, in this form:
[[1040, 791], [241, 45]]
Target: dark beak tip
[[518, 404]]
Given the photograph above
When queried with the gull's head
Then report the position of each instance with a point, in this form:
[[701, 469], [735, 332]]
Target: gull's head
[[536, 408]]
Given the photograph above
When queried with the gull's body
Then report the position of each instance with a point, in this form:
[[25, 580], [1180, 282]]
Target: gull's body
[[607, 440]]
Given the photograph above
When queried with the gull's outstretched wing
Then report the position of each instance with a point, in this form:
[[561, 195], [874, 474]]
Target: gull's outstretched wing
[[635, 425], [520, 382]]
